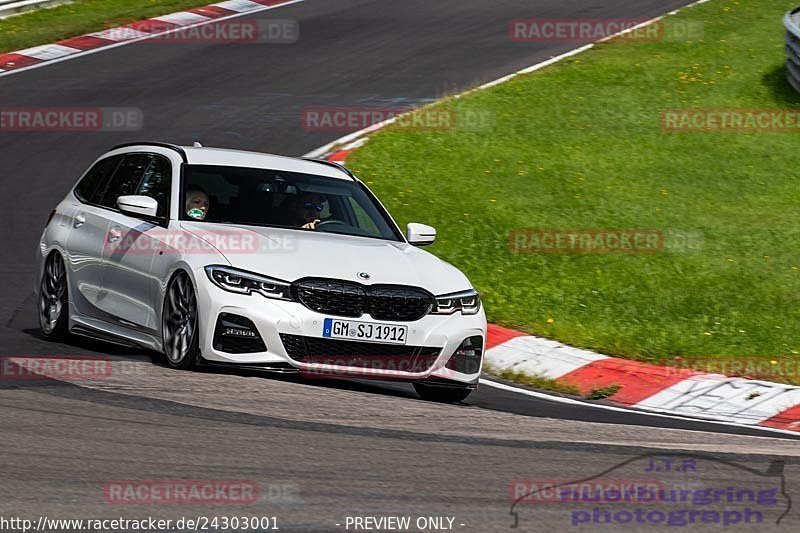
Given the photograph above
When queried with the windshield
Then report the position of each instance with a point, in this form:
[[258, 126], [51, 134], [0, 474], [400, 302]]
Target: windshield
[[262, 197]]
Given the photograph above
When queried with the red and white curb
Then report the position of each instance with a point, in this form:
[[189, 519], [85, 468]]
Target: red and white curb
[[20, 60], [649, 387], [668, 391]]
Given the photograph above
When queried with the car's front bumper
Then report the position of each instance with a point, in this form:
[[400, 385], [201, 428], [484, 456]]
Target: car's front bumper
[[274, 317]]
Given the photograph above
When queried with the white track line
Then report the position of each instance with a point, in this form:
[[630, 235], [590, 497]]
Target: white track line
[[322, 150], [144, 38], [572, 401]]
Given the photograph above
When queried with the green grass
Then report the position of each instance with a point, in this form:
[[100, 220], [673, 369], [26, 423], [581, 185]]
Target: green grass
[[45, 26], [579, 145], [603, 392], [534, 382]]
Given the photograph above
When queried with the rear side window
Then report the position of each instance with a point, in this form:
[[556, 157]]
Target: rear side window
[[126, 179], [91, 187]]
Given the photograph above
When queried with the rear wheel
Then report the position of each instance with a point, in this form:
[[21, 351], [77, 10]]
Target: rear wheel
[[442, 393], [179, 323], [53, 301]]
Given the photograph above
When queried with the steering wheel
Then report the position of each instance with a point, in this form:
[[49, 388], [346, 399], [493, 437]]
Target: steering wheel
[[330, 221]]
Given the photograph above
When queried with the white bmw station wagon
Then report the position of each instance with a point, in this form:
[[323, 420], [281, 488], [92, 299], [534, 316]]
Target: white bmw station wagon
[[214, 256]]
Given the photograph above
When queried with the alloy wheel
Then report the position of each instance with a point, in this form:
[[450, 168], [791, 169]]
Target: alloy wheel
[[180, 320], [52, 294]]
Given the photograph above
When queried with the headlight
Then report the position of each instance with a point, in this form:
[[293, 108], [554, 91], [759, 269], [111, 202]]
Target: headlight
[[468, 302], [234, 280]]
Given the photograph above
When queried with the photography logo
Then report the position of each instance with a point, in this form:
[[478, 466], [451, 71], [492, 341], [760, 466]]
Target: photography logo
[[675, 490]]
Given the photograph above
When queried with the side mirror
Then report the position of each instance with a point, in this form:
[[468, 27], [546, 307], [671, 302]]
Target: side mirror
[[138, 205], [420, 234]]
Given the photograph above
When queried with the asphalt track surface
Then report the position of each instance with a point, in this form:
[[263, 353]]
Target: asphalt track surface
[[320, 451]]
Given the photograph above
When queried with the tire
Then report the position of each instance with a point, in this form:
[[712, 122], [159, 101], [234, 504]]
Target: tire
[[442, 393], [53, 304], [179, 321]]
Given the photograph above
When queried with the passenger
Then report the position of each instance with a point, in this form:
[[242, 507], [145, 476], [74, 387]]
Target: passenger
[[196, 203]]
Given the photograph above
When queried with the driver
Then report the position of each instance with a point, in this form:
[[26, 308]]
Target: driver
[[307, 210]]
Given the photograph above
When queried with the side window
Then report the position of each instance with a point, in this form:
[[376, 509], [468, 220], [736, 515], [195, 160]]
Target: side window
[[215, 185], [224, 197], [91, 187], [156, 183], [363, 220], [126, 179]]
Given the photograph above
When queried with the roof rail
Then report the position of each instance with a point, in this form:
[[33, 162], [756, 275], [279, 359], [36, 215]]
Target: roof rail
[[332, 164], [159, 144]]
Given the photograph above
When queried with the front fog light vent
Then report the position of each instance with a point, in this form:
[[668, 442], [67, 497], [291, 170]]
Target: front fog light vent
[[467, 357], [237, 334]]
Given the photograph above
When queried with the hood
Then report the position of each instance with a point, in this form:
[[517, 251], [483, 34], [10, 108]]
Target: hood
[[293, 254]]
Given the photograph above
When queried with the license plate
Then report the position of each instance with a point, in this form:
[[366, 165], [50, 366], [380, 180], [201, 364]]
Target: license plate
[[364, 331]]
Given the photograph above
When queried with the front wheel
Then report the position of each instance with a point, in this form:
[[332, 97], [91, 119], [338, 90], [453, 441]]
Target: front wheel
[[442, 393], [179, 323], [53, 301]]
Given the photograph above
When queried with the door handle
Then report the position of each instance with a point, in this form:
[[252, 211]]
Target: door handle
[[114, 235], [79, 221]]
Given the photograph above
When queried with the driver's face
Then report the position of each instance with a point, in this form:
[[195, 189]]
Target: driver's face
[[310, 208]]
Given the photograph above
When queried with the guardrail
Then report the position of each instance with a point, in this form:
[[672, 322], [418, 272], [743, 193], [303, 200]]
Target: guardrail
[[14, 7], [792, 23]]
